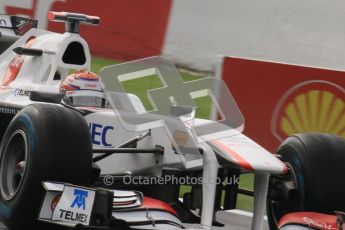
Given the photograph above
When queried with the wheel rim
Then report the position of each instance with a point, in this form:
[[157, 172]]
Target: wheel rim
[[13, 164]]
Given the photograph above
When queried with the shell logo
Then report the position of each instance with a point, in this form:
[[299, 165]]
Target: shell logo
[[311, 106]]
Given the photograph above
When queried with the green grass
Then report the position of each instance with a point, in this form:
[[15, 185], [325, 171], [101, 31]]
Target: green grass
[[98, 63], [246, 202], [139, 88]]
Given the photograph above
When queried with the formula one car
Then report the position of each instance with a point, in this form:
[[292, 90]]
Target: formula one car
[[73, 143]]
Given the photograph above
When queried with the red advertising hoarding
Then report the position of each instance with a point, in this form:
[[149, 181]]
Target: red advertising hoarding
[[129, 29], [278, 100]]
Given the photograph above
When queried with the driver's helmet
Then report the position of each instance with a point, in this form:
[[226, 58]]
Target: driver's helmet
[[82, 88]]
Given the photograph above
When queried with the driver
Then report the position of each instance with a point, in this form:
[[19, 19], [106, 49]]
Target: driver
[[82, 88]]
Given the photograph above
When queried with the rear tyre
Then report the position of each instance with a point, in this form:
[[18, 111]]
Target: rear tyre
[[316, 163], [43, 142]]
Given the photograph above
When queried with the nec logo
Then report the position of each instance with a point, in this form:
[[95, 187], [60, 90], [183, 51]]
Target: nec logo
[[79, 199], [99, 134]]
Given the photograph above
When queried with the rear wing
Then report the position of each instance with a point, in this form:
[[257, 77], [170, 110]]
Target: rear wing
[[12, 27]]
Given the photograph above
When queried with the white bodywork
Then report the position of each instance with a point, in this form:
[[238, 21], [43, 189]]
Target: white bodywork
[[37, 74]]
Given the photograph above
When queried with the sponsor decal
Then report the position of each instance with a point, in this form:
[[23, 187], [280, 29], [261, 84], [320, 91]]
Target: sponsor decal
[[12, 70], [99, 134], [54, 202], [16, 64], [49, 52], [312, 223], [73, 216], [8, 110], [312, 106], [75, 205], [91, 85], [21, 92], [79, 200]]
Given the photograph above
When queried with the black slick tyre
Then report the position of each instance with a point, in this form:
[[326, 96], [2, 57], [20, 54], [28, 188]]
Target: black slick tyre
[[43, 142]]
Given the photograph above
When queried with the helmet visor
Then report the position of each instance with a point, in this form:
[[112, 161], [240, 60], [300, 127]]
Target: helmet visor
[[86, 98], [87, 101]]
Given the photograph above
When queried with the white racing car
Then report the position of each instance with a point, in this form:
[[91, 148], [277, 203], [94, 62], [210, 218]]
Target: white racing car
[[78, 151]]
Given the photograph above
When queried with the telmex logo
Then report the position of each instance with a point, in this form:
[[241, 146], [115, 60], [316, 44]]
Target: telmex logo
[[80, 198], [311, 106]]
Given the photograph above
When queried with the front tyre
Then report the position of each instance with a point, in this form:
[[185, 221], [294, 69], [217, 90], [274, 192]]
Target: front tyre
[[316, 164], [43, 142]]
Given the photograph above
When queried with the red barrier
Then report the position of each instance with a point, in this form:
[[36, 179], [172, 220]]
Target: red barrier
[[278, 100], [129, 29]]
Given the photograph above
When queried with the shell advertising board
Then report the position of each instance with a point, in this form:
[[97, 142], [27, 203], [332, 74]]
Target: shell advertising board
[[278, 100]]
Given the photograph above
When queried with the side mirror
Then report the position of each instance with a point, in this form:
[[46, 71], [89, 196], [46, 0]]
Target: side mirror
[[55, 98]]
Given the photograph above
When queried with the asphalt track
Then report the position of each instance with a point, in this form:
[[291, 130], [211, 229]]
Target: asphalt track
[[2, 226], [232, 221], [235, 221]]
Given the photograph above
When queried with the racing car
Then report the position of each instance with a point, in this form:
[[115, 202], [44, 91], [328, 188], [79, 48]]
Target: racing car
[[71, 138]]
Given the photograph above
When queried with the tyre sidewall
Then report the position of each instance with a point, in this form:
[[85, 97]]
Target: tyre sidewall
[[59, 149], [30, 192]]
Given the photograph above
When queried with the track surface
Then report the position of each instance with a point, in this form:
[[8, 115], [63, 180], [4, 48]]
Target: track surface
[[232, 222], [235, 221], [2, 226]]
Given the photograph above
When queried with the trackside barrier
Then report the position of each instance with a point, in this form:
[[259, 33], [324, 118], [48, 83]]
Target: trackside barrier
[[279, 99]]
